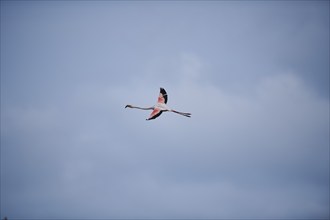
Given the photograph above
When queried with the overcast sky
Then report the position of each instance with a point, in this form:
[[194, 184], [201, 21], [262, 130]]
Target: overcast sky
[[254, 75]]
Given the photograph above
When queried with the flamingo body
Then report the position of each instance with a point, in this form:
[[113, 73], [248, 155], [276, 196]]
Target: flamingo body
[[159, 107]]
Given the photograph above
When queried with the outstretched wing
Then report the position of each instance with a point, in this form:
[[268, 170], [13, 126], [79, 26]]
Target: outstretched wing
[[155, 113], [162, 98]]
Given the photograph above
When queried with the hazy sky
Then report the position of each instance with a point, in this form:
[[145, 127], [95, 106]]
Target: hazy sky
[[254, 75]]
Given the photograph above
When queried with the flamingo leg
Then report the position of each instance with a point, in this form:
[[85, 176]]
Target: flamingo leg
[[182, 113]]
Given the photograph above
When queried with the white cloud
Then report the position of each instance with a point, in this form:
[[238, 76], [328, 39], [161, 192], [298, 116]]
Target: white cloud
[[257, 154]]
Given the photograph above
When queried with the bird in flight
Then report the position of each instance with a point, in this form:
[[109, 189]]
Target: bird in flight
[[160, 106]]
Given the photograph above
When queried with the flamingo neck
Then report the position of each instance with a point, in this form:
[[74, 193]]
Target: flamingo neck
[[142, 108]]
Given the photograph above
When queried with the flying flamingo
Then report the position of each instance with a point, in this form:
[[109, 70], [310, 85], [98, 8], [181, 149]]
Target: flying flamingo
[[160, 106]]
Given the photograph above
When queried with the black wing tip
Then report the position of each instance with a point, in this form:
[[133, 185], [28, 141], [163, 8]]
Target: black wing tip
[[155, 116], [162, 90]]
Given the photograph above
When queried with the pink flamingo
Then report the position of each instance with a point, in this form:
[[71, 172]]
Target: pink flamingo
[[160, 106]]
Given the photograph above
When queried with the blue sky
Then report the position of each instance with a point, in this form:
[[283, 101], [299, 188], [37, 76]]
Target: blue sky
[[254, 75]]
